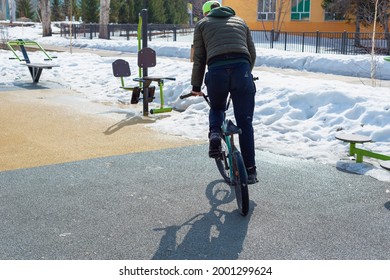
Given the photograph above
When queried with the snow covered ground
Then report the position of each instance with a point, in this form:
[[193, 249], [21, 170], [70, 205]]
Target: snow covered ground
[[298, 111]]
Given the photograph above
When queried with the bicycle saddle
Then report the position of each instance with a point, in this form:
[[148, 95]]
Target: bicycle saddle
[[231, 128]]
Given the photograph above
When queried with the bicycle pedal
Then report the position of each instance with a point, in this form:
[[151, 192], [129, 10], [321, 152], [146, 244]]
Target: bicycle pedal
[[214, 155]]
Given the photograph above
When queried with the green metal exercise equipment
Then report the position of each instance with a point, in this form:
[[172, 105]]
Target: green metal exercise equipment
[[359, 153], [34, 68], [146, 59]]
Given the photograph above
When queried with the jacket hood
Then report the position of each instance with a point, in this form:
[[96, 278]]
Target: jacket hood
[[222, 12]]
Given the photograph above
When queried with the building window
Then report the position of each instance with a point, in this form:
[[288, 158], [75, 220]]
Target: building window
[[300, 9], [266, 10]]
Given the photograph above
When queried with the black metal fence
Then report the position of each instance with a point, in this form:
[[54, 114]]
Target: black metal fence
[[127, 31], [348, 43]]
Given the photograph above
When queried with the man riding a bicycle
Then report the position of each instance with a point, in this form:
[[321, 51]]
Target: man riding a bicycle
[[223, 42]]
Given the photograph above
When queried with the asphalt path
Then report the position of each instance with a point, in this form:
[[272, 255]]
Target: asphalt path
[[172, 204]]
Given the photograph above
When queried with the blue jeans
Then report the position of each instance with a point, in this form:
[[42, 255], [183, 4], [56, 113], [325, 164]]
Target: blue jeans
[[237, 79]]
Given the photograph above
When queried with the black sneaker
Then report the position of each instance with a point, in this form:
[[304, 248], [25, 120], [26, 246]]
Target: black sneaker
[[215, 144], [252, 175]]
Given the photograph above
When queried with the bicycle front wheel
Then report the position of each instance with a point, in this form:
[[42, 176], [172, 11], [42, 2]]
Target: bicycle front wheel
[[240, 181]]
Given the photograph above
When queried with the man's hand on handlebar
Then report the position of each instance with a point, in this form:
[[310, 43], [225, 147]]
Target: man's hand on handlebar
[[197, 93], [192, 93]]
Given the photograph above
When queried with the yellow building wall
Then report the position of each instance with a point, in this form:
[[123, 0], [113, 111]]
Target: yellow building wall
[[247, 10]]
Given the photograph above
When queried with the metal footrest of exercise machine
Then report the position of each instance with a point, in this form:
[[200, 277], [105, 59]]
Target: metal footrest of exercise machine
[[161, 110], [135, 96]]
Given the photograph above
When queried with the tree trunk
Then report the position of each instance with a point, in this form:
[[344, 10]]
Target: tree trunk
[[359, 16], [383, 14], [281, 10], [3, 15], [12, 10], [46, 15], [104, 18], [373, 62]]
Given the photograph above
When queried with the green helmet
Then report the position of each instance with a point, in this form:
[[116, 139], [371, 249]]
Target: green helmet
[[209, 5]]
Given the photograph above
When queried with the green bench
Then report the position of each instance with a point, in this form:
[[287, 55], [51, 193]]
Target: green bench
[[359, 153]]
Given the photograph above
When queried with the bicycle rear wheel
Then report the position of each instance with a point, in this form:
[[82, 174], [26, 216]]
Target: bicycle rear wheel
[[222, 162], [240, 181]]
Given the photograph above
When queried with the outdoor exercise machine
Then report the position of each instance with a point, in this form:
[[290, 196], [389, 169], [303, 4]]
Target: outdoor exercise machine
[[359, 153], [34, 68], [146, 59]]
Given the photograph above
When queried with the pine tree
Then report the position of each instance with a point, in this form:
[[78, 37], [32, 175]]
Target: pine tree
[[114, 10], [156, 11], [66, 8], [126, 11], [56, 11], [70, 8], [24, 9], [176, 11], [90, 11]]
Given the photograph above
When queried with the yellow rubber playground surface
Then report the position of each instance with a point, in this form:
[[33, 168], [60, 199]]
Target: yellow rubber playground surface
[[48, 126]]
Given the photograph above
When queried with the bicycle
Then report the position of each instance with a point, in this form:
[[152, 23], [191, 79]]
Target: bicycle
[[230, 162]]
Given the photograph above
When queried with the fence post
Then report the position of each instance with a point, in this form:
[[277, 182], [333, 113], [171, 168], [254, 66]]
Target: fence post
[[272, 39], [108, 31], [357, 39], [90, 30], [285, 41], [144, 31], [303, 42], [387, 40], [317, 40], [344, 43], [174, 33]]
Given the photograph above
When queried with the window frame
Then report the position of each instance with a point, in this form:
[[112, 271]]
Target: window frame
[[266, 10], [297, 15]]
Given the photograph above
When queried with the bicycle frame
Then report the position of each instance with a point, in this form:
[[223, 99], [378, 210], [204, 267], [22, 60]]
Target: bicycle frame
[[229, 137], [229, 140]]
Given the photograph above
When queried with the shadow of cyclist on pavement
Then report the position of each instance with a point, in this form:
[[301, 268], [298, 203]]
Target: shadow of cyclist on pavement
[[215, 235]]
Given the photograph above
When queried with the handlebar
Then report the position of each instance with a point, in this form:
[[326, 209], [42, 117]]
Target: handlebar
[[205, 96], [190, 94]]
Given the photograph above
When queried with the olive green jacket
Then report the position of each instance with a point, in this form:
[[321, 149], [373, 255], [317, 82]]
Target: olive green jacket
[[220, 33]]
